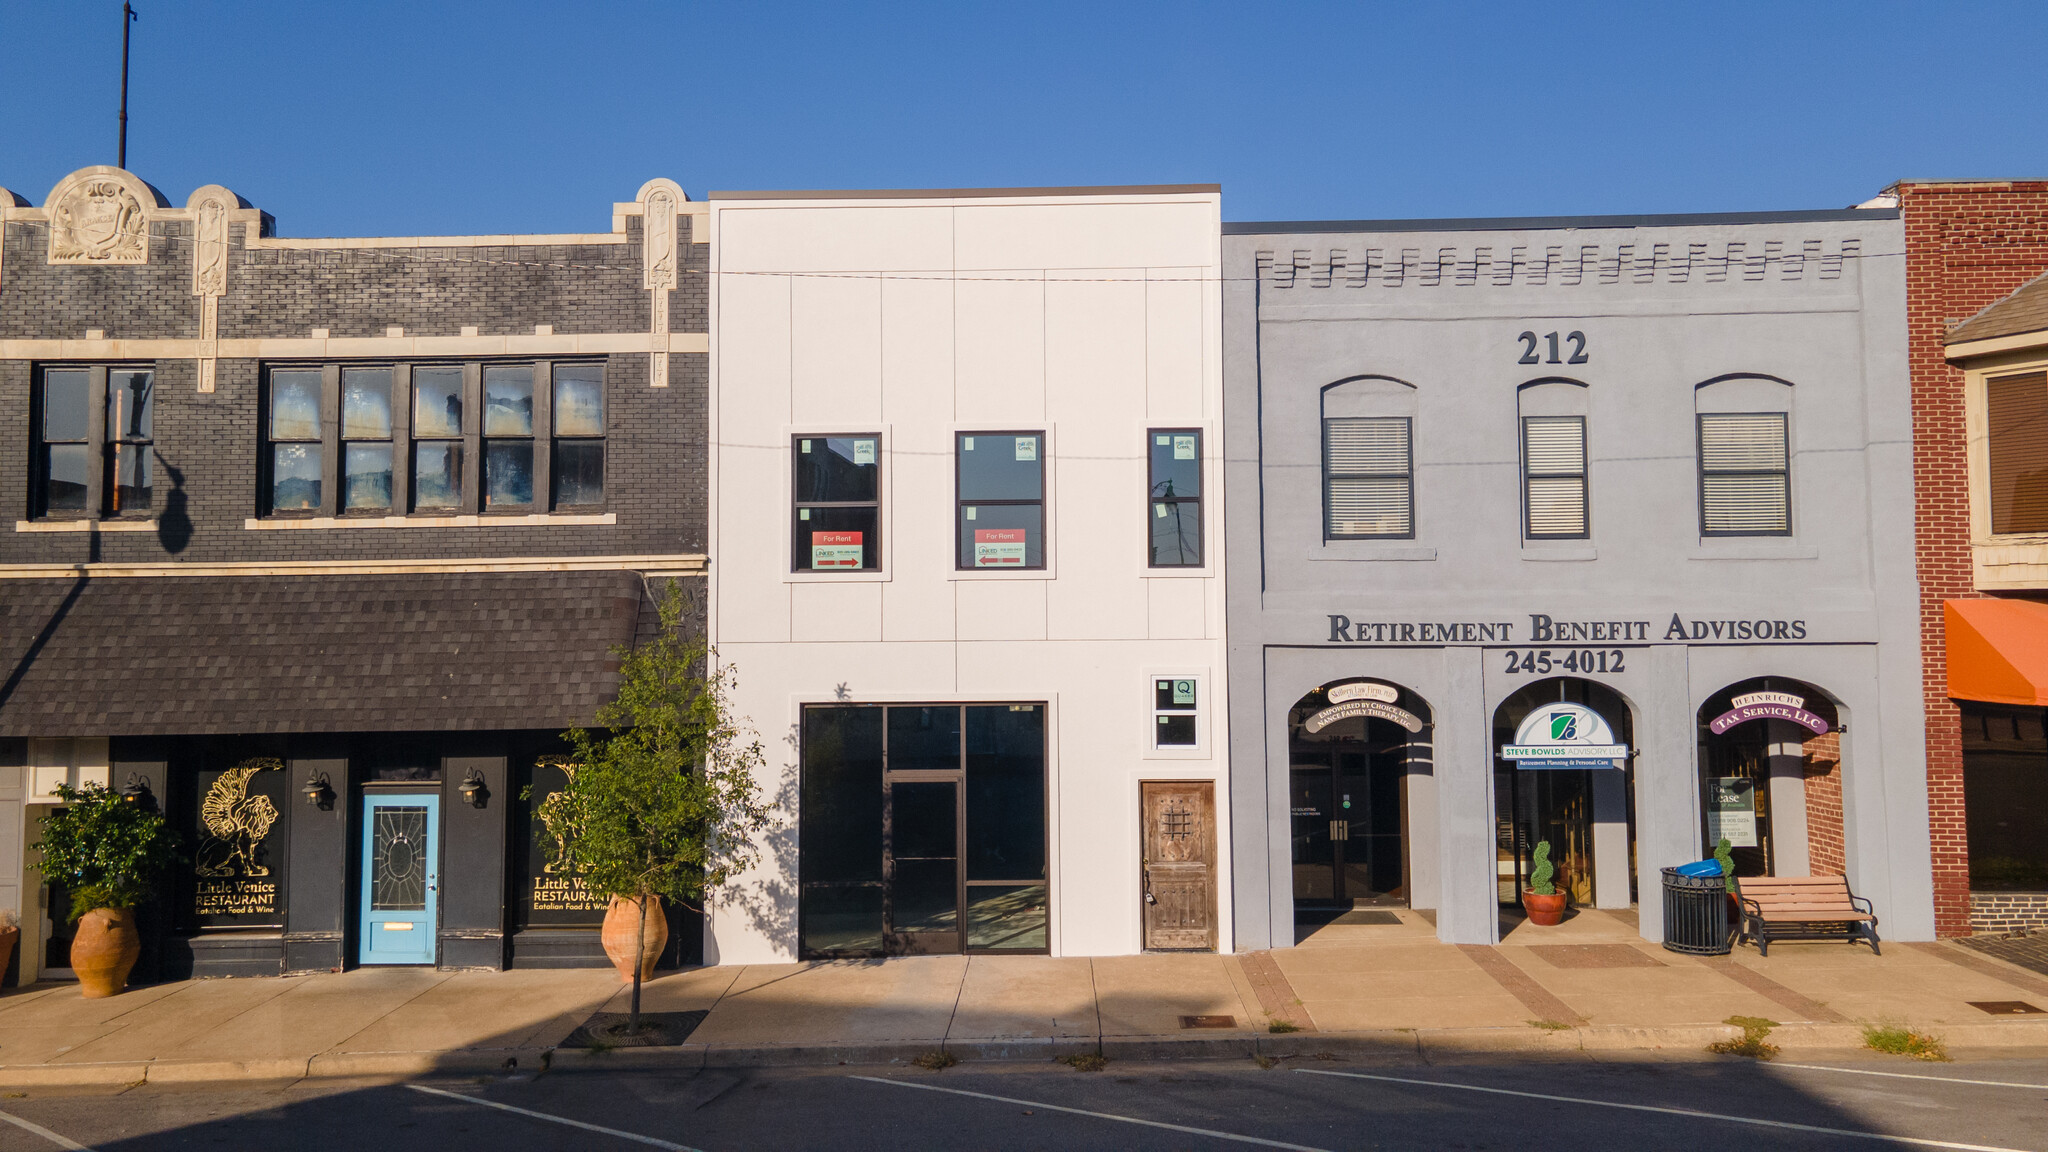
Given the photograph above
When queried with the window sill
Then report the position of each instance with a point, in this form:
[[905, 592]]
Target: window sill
[[1536, 550], [324, 522], [1739, 549], [1179, 573], [85, 525], [1371, 550], [850, 576], [1000, 574]]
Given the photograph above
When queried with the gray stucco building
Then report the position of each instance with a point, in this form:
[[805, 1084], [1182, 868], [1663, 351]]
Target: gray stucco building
[[1590, 531]]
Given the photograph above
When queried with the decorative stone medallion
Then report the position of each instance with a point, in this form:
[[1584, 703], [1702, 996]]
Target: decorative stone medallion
[[98, 221]]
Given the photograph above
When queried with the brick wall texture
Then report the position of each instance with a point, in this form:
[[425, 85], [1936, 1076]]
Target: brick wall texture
[[208, 443], [1967, 245], [1826, 847]]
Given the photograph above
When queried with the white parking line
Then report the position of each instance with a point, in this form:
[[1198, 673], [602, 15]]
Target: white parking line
[[633, 1136], [64, 1142], [1232, 1136], [1911, 1076], [1696, 1115]]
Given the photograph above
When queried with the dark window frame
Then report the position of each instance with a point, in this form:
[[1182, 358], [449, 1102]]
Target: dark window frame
[[550, 472], [404, 442], [1154, 499], [1583, 476], [1407, 475], [1163, 713], [798, 506], [102, 445], [539, 394], [960, 502], [1700, 469], [891, 776]]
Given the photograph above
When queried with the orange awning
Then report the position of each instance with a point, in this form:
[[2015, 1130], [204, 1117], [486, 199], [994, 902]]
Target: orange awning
[[1998, 651]]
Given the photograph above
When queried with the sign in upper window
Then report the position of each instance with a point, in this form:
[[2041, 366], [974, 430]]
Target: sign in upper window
[[837, 517], [1001, 487]]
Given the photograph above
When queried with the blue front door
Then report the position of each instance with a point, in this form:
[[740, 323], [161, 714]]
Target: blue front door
[[401, 874]]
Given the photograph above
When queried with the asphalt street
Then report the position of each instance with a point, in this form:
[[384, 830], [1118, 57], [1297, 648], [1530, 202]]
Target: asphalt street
[[1847, 1100]]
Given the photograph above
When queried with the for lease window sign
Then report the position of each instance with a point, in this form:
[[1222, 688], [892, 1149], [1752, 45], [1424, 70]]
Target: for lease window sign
[[999, 547], [835, 550]]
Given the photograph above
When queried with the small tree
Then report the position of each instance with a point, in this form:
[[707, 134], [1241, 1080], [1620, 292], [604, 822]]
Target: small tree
[[1726, 859], [1541, 870], [662, 801], [107, 850]]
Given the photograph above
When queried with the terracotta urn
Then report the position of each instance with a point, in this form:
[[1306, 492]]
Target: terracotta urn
[[104, 951], [1544, 910], [621, 925]]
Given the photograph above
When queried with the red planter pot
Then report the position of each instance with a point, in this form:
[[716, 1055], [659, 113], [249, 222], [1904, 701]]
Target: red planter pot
[[1544, 910]]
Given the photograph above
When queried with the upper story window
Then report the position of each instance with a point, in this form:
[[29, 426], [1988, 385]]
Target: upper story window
[[94, 441], [1554, 477], [2016, 411], [1368, 478], [836, 525], [1175, 497], [1745, 478], [438, 439], [1001, 492]]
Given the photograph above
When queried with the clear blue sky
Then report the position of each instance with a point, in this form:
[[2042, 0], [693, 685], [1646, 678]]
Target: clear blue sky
[[354, 118]]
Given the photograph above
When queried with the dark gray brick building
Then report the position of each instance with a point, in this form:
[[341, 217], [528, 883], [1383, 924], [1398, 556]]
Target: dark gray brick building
[[301, 536]]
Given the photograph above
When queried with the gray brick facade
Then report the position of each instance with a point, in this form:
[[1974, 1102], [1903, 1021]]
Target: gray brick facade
[[208, 443]]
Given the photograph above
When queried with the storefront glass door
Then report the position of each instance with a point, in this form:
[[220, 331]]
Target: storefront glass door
[[1346, 821], [922, 830]]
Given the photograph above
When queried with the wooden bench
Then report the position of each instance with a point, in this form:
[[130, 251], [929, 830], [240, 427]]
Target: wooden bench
[[1803, 908]]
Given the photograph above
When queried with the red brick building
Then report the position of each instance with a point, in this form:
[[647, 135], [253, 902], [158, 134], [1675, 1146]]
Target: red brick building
[[1969, 245]]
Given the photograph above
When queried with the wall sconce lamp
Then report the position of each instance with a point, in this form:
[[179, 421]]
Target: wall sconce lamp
[[136, 791], [317, 793], [474, 792]]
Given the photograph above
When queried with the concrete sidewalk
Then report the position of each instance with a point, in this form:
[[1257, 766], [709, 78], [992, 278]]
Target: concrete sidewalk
[[1588, 983]]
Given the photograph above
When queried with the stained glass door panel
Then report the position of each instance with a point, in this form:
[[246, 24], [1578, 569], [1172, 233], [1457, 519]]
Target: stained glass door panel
[[401, 878]]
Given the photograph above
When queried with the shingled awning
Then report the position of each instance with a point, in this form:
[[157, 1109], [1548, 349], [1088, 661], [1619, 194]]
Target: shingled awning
[[200, 655]]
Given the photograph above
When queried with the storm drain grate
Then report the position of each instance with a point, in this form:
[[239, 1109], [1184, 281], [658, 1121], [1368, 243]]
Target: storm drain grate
[[1208, 1021], [2005, 1007]]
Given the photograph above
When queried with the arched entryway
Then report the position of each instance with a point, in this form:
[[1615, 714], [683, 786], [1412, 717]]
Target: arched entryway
[[1569, 784], [1771, 777], [1352, 745]]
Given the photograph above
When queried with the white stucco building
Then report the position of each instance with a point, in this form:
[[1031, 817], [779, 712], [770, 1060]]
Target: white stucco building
[[965, 462]]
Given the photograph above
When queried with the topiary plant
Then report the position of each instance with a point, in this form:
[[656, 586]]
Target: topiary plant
[[1726, 859], [109, 851], [1542, 870]]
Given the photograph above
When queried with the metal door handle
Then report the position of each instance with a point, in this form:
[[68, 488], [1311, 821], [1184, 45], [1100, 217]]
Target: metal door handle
[[431, 886]]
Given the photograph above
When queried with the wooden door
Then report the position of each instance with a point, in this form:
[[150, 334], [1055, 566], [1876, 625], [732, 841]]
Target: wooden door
[[1179, 840]]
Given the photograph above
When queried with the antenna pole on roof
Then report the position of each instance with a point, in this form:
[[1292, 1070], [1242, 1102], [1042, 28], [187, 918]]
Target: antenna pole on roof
[[127, 17]]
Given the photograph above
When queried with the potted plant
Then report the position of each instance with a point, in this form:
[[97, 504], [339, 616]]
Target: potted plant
[[10, 935], [1724, 855], [1541, 899], [108, 851], [662, 804]]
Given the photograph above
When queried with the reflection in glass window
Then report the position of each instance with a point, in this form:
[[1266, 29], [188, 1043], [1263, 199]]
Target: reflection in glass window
[[366, 436], [839, 853], [508, 432], [838, 510], [1001, 491], [578, 413], [66, 453], [1175, 498], [437, 474], [437, 447], [294, 433]]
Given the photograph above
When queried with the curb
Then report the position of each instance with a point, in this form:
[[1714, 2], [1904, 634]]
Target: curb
[[1419, 1042]]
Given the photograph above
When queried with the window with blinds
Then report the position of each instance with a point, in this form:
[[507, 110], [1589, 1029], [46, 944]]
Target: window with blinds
[[2017, 412], [1554, 477], [1745, 483], [1368, 479]]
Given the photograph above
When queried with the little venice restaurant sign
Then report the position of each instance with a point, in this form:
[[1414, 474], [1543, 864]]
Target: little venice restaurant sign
[[1565, 736]]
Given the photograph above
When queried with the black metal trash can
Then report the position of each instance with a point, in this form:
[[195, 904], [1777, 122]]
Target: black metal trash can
[[1696, 914]]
